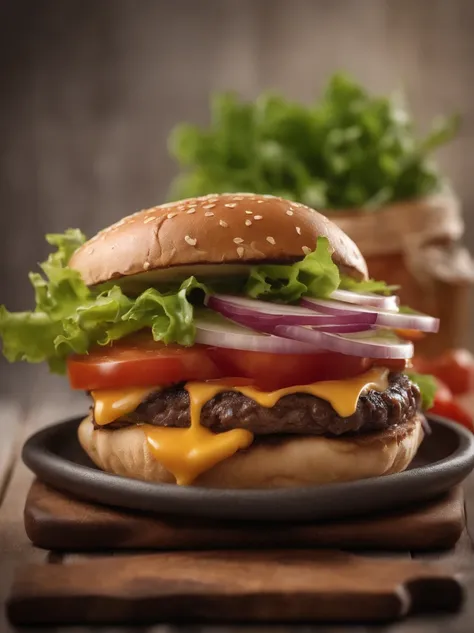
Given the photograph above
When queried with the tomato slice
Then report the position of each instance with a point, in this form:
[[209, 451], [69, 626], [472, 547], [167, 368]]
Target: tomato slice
[[140, 363], [275, 371], [410, 335]]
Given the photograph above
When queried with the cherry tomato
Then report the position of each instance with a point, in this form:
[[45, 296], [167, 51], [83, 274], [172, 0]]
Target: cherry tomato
[[140, 363], [275, 371], [443, 392], [453, 411], [454, 367]]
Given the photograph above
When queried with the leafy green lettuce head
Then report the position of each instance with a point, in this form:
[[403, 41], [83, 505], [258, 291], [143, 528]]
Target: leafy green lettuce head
[[347, 149]]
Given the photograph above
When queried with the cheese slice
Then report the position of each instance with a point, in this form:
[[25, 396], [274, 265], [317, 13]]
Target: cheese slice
[[188, 452], [111, 404]]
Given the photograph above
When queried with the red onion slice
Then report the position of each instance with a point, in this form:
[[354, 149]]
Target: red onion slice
[[417, 321], [372, 344], [224, 333], [389, 303], [268, 324], [252, 313]]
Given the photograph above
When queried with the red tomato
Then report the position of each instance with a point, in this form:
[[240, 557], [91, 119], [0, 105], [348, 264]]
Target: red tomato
[[140, 363], [454, 367], [274, 371], [453, 411], [410, 335], [443, 392]]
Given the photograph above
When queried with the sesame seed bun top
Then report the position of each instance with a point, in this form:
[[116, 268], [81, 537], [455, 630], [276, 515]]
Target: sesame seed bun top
[[232, 229]]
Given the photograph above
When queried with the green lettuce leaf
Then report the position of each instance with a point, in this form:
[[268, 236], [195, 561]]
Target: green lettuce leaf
[[71, 318], [316, 276], [371, 285], [427, 387]]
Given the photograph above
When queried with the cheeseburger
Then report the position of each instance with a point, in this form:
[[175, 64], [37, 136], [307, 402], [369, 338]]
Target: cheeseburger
[[228, 341]]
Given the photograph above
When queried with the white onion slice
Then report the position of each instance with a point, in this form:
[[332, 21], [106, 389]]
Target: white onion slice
[[417, 321], [224, 333], [372, 344], [367, 299]]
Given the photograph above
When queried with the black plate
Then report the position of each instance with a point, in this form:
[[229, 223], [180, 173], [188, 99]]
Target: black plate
[[445, 458]]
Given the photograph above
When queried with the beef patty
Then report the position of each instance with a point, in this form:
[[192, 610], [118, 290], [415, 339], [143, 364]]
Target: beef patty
[[299, 413]]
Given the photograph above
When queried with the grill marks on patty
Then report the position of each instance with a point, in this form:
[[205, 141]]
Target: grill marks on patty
[[299, 413]]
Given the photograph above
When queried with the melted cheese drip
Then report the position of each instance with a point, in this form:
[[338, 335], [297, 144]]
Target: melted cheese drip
[[111, 404], [188, 452]]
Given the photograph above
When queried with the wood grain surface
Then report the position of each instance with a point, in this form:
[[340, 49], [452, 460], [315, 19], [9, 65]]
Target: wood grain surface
[[245, 586], [55, 521]]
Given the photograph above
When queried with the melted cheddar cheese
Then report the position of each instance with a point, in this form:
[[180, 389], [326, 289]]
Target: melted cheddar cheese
[[111, 404], [188, 452]]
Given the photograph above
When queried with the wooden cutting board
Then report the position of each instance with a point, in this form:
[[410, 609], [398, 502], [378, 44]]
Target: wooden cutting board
[[237, 586], [56, 521], [228, 571]]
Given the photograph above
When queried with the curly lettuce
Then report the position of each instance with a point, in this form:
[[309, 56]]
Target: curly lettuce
[[370, 285], [316, 275], [70, 317]]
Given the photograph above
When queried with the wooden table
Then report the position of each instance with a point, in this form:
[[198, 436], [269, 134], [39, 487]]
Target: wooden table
[[17, 422]]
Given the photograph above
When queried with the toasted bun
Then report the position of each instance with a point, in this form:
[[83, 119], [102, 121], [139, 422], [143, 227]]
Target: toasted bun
[[233, 229], [269, 462]]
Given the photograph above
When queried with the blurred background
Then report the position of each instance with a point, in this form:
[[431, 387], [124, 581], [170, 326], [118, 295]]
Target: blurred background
[[92, 88]]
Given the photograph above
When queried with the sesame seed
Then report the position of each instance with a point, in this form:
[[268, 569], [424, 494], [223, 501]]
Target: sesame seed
[[258, 217], [146, 265], [289, 212], [248, 222], [171, 215], [271, 240], [238, 240], [240, 251], [192, 241], [306, 250], [248, 212], [260, 201], [231, 205], [189, 211], [90, 250], [224, 224], [209, 206], [298, 230], [208, 214], [150, 219], [238, 197]]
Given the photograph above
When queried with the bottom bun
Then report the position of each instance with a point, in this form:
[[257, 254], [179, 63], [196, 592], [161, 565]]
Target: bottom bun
[[270, 462]]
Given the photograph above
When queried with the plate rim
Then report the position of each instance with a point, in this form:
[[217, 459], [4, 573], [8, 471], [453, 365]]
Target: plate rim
[[39, 458]]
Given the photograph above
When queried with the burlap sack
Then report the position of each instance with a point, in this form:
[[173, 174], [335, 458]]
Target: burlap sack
[[416, 245]]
